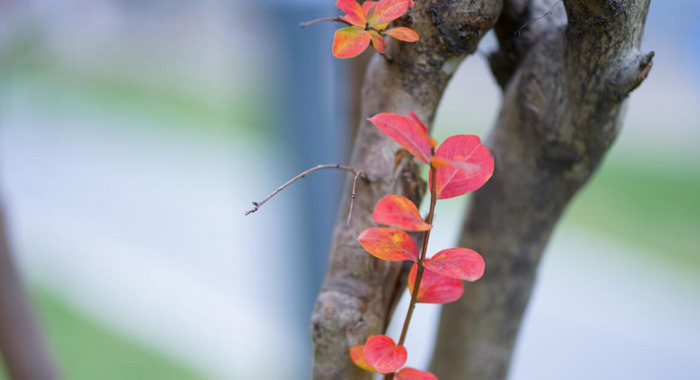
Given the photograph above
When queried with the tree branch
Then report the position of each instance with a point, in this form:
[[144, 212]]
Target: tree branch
[[359, 292], [564, 84], [21, 344]]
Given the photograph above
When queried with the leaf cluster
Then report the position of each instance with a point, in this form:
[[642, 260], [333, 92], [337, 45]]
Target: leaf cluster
[[461, 164]]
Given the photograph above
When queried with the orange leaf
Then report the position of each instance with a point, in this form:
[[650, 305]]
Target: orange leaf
[[402, 33], [387, 10], [354, 14], [471, 165], [357, 355], [382, 354], [349, 42], [399, 211], [377, 41], [389, 244], [407, 132], [409, 373], [366, 6], [460, 263], [435, 288]]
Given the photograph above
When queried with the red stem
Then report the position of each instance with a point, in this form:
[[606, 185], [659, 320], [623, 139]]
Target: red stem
[[421, 266]]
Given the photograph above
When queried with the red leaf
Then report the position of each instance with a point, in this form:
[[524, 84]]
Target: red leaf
[[349, 42], [466, 167], [409, 373], [438, 162], [399, 211], [377, 41], [407, 132], [382, 354], [367, 5], [460, 263], [354, 14], [466, 154], [415, 117], [387, 10], [389, 244], [402, 33], [435, 288], [423, 127], [357, 355]]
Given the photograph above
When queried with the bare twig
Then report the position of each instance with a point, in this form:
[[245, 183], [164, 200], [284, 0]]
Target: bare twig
[[352, 196], [331, 19], [530, 21], [358, 174]]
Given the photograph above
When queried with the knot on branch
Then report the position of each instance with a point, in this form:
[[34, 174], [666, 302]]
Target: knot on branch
[[462, 24], [338, 313], [629, 74]]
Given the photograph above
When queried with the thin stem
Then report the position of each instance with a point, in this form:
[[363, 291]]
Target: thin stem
[[530, 21], [421, 267], [352, 196], [419, 274], [332, 19], [358, 173]]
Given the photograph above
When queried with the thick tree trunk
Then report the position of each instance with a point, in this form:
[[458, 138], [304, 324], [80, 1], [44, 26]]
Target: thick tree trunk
[[23, 350], [360, 292], [564, 85]]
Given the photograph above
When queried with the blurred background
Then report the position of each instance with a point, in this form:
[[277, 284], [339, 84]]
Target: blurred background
[[135, 133]]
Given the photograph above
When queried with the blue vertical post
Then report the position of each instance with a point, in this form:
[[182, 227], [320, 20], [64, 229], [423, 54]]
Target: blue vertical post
[[308, 83]]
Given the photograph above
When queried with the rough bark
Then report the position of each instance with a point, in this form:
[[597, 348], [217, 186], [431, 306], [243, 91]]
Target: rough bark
[[360, 292], [565, 78], [23, 350]]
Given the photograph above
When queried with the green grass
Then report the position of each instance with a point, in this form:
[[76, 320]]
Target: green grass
[[52, 87], [656, 210], [85, 350]]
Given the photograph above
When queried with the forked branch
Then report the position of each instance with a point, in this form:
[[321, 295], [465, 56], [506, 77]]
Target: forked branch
[[358, 174], [564, 80]]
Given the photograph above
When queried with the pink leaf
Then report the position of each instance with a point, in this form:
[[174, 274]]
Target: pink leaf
[[471, 166], [435, 288], [398, 211], [409, 373], [382, 354], [423, 127], [367, 5], [407, 132], [389, 244], [460, 263], [354, 14]]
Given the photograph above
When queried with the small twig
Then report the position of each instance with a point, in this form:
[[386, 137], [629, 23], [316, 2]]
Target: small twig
[[352, 197], [358, 174], [332, 19], [530, 21]]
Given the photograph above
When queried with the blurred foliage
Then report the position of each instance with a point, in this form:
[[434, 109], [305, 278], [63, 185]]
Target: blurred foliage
[[658, 211], [86, 351], [88, 91]]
